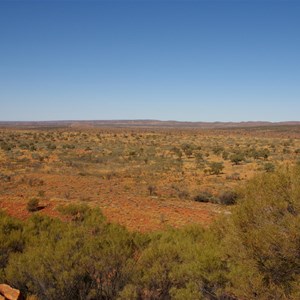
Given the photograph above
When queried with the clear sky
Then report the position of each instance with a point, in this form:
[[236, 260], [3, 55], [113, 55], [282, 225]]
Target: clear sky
[[168, 60]]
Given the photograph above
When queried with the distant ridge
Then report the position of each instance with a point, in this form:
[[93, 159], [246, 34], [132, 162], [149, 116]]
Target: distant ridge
[[144, 123]]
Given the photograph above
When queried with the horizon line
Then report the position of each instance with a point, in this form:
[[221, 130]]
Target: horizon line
[[144, 120]]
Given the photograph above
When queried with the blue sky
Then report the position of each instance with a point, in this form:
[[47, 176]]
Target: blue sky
[[167, 60]]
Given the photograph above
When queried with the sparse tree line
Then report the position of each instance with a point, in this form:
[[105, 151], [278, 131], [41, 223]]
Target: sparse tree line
[[254, 253]]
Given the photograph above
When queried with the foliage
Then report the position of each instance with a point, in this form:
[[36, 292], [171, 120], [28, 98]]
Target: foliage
[[263, 242], [252, 253], [217, 150], [205, 196], [237, 158], [11, 240], [269, 167], [179, 263], [228, 197], [33, 204], [216, 168], [99, 258]]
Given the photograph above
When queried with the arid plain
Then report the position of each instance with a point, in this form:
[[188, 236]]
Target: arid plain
[[143, 177]]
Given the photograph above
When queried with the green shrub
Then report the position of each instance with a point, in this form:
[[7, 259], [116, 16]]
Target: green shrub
[[33, 204], [11, 240], [205, 196], [228, 197], [77, 212], [269, 167], [217, 150], [264, 238], [216, 168], [237, 158], [90, 259], [225, 155]]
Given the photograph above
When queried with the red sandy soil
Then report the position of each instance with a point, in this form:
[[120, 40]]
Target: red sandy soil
[[135, 211]]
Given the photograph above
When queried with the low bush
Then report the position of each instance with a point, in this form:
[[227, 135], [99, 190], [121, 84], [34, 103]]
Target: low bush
[[252, 253], [215, 168], [33, 204], [228, 197], [269, 167], [205, 196]]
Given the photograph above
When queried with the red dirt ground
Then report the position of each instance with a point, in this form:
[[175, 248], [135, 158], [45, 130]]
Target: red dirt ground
[[140, 212]]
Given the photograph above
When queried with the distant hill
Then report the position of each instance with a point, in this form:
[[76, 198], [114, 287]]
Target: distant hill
[[145, 123]]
